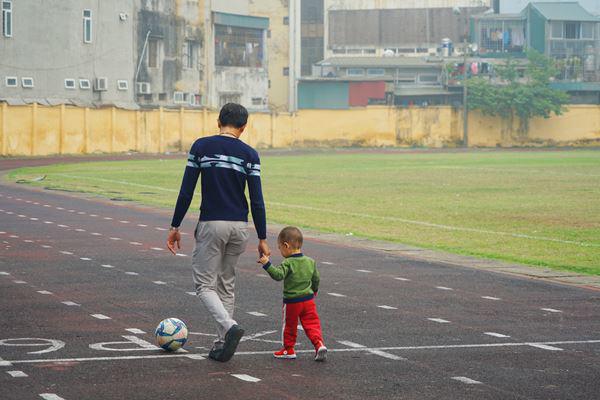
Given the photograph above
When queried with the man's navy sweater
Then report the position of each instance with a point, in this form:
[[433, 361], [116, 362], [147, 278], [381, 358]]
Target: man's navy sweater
[[226, 164]]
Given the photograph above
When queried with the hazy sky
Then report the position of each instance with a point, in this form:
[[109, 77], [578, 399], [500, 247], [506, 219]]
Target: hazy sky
[[515, 6]]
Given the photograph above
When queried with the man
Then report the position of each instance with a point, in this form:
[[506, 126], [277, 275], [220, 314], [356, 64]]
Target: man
[[226, 164]]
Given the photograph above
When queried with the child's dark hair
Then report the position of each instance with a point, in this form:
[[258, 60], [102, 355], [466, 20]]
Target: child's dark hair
[[234, 115], [291, 235]]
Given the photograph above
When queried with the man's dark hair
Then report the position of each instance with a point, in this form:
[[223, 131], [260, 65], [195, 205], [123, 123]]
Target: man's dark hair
[[234, 115], [291, 235]]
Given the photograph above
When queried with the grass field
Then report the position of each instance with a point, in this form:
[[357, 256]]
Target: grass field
[[538, 208]]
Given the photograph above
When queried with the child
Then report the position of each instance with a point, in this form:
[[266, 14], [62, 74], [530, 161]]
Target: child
[[300, 285]]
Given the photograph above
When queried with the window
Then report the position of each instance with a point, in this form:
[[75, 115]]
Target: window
[[587, 30], [196, 99], [225, 98], [428, 78], [405, 78], [27, 82], [572, 30], [286, 20], [355, 72], [87, 26], [190, 54], [11, 81], [286, 71], [70, 84], [153, 53], [162, 97], [84, 84], [238, 47], [557, 30], [180, 97], [375, 71], [122, 84], [257, 101], [7, 18]]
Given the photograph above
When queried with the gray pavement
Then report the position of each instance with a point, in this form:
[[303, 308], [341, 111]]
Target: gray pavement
[[84, 282]]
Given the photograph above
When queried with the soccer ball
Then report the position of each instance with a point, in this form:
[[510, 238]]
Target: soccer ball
[[171, 334]]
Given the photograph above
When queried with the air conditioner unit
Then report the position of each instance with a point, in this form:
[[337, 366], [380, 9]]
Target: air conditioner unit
[[143, 88], [101, 84]]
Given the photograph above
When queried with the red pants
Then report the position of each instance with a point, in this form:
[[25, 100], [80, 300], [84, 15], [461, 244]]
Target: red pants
[[306, 311]]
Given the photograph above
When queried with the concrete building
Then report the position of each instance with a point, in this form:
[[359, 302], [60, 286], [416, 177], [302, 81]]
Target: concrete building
[[69, 51], [169, 37]]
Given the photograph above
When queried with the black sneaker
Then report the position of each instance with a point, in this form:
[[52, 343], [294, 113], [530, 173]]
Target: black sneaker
[[232, 339], [215, 354]]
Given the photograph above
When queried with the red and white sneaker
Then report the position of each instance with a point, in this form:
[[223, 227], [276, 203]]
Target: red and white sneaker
[[286, 354], [321, 352]]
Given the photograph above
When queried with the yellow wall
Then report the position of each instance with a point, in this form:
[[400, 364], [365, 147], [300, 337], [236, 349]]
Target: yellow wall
[[39, 130]]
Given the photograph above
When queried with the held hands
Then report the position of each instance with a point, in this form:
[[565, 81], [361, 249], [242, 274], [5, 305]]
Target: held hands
[[263, 259], [174, 238]]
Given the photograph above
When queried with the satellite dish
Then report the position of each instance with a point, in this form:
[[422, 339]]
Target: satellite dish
[[388, 53]]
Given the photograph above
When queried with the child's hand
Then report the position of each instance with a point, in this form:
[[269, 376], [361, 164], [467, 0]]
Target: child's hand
[[263, 259]]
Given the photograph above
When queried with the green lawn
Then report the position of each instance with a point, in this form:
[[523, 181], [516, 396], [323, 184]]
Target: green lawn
[[537, 208]]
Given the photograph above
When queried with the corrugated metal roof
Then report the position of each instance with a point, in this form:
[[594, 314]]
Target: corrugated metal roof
[[564, 11]]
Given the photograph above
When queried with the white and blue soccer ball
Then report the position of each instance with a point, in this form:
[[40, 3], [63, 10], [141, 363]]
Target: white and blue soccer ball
[[171, 334]]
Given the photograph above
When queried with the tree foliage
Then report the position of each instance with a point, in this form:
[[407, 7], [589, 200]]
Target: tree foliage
[[526, 97]]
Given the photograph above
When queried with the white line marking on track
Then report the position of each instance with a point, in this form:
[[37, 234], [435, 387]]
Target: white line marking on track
[[100, 316], [327, 263], [108, 266], [552, 310], [157, 248], [115, 238], [124, 222], [48, 222], [85, 258], [181, 255], [47, 205], [545, 347], [135, 331], [79, 230], [62, 226], [443, 288], [4, 273], [50, 396], [19, 282], [28, 241], [44, 292], [4, 363], [21, 216], [17, 374], [131, 273], [439, 320], [494, 334], [195, 357], [142, 225], [377, 352], [46, 246], [159, 282], [202, 334], [246, 378], [491, 298], [14, 236], [96, 234], [135, 243], [93, 215], [107, 218], [387, 355], [402, 279], [71, 211], [160, 229], [66, 252], [59, 208], [256, 335], [191, 293], [366, 271], [34, 219], [466, 380], [81, 213], [387, 307], [256, 313], [336, 294], [70, 303]]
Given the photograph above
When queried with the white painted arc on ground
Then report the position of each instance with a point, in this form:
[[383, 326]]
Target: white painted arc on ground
[[363, 215], [50, 396], [100, 316], [17, 374], [387, 307], [495, 334], [336, 294], [491, 298], [246, 378], [256, 313], [545, 347], [439, 320], [135, 331], [377, 352], [552, 310]]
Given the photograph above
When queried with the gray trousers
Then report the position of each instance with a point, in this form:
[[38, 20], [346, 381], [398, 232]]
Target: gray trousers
[[219, 245]]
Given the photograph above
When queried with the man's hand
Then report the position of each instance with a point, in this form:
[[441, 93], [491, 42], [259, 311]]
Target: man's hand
[[263, 248], [174, 237]]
